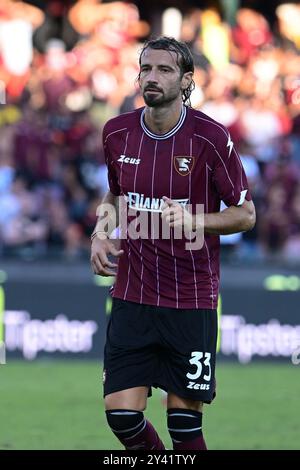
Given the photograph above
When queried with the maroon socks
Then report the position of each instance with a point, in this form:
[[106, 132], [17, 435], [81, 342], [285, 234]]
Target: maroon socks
[[133, 430], [185, 428]]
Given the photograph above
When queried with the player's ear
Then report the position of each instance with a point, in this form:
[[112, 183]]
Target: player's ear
[[186, 80]]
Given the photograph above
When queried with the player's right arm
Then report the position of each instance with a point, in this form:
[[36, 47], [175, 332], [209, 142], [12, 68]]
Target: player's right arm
[[101, 245]]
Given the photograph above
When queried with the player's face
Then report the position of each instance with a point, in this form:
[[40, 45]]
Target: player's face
[[160, 77]]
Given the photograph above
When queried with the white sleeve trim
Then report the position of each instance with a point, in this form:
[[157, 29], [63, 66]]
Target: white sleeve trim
[[242, 197]]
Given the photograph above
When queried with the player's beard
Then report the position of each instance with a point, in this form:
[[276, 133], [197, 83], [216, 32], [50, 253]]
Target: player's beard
[[159, 99]]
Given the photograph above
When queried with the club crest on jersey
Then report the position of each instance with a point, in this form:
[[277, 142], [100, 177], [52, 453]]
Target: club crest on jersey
[[184, 165]]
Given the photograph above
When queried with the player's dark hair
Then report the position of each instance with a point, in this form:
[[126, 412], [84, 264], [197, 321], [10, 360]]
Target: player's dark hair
[[184, 59]]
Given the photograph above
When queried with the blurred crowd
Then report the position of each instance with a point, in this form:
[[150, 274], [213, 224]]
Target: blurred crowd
[[67, 69]]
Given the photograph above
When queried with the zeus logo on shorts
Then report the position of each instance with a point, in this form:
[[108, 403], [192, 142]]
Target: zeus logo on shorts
[[195, 386], [130, 160]]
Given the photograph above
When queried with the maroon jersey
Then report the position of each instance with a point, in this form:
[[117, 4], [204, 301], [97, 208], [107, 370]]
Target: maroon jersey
[[194, 163]]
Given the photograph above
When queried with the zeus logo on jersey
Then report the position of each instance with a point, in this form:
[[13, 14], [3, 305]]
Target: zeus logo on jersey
[[151, 204], [130, 160]]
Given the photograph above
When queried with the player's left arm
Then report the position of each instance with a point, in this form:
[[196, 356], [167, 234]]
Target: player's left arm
[[233, 219], [231, 185]]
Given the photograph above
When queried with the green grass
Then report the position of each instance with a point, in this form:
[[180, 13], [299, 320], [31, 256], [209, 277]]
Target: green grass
[[58, 405]]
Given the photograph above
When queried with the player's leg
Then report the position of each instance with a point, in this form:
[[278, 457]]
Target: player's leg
[[188, 371], [124, 412], [129, 365], [135, 398], [185, 423]]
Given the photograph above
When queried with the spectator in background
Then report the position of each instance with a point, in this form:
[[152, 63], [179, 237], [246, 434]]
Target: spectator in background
[[191, 35], [291, 249], [21, 223], [261, 126], [274, 220], [56, 25], [18, 20], [250, 34], [80, 74], [288, 15], [215, 35]]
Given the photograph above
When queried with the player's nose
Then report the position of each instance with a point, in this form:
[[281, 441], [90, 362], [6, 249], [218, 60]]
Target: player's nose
[[152, 76]]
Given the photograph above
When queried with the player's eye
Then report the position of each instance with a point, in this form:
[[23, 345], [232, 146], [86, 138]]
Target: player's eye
[[165, 70]]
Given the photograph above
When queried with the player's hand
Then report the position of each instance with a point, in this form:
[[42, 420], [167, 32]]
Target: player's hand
[[100, 250], [175, 215]]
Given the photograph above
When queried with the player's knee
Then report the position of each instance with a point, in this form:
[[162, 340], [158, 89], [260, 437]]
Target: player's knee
[[130, 399], [125, 424], [184, 425], [174, 401]]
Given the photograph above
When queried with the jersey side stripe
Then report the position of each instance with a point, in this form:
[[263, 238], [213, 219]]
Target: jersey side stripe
[[152, 191], [210, 273], [121, 168], [127, 239], [172, 241], [208, 256], [142, 272], [191, 251], [241, 167]]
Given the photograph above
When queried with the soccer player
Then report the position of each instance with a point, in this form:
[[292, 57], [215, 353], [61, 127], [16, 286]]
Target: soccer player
[[163, 328]]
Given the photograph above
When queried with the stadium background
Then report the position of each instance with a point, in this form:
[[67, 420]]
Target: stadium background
[[65, 68]]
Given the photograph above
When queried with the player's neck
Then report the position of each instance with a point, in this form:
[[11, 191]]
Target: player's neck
[[161, 120]]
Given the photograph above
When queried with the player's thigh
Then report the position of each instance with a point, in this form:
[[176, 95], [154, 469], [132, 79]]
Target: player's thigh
[[130, 399], [130, 358], [189, 364], [174, 401]]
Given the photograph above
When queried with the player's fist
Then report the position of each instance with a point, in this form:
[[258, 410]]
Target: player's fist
[[100, 250], [175, 215]]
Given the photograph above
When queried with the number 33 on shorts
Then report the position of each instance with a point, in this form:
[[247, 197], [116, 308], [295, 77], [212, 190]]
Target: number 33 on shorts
[[200, 360]]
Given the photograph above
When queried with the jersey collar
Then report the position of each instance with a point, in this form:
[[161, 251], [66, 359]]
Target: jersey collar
[[168, 134]]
